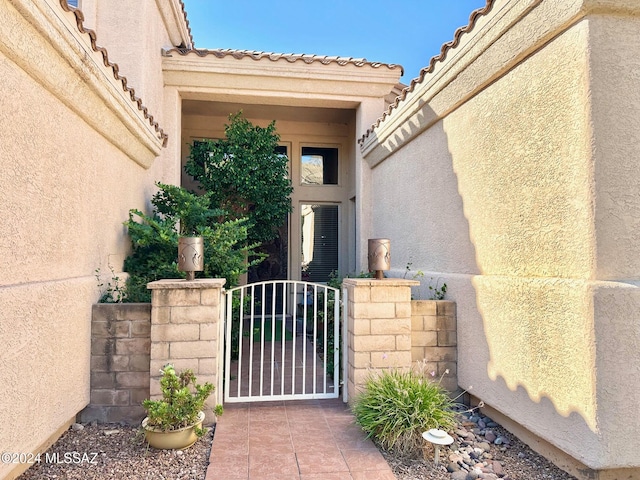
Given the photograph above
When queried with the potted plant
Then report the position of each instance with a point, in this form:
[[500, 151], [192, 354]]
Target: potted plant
[[175, 421]]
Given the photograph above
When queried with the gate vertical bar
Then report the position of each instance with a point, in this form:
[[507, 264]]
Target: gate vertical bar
[[295, 338], [315, 335], [305, 341], [251, 330], [273, 335], [227, 339], [337, 347], [222, 338], [262, 315], [240, 321], [284, 335], [345, 343], [325, 340]]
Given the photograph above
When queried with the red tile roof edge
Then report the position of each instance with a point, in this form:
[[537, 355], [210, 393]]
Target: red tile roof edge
[[114, 67], [186, 21], [432, 63], [289, 57]]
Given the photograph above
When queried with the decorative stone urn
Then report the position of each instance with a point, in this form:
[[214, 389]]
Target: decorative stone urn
[[190, 255], [379, 256]]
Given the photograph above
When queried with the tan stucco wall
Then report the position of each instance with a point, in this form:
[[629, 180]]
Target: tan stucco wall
[[65, 190], [528, 208]]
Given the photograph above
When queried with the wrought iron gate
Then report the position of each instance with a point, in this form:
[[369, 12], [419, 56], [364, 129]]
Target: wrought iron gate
[[281, 342]]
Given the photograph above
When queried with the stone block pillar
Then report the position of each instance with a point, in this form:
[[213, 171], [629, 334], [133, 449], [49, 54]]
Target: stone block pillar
[[378, 327], [185, 324]]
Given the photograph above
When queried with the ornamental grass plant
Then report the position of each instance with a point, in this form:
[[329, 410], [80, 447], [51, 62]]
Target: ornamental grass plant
[[396, 406]]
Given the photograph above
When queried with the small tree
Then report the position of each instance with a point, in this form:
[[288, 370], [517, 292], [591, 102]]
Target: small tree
[[243, 174]]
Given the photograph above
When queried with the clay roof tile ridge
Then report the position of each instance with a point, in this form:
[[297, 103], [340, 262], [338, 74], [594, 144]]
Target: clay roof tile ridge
[[79, 16], [289, 57], [444, 50]]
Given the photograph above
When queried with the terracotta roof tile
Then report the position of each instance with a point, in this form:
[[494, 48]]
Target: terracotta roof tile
[[473, 18], [186, 21], [115, 69], [289, 57]]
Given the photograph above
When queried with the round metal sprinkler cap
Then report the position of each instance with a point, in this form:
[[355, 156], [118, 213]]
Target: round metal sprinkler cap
[[439, 437]]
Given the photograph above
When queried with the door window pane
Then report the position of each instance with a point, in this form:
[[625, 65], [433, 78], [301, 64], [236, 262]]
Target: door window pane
[[319, 166], [319, 242]]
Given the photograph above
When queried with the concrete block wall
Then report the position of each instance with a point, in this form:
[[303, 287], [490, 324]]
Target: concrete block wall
[[434, 339], [120, 357], [184, 331]]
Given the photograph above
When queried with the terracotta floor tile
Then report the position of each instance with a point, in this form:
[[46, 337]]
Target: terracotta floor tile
[[239, 445], [327, 476], [264, 465], [232, 426], [373, 475], [362, 460], [260, 447], [274, 477], [310, 429], [269, 436], [269, 428], [228, 465], [321, 461], [301, 440], [266, 416], [321, 442], [211, 475], [364, 444]]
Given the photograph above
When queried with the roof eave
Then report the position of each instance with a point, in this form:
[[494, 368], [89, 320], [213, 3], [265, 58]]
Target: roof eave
[[175, 20]]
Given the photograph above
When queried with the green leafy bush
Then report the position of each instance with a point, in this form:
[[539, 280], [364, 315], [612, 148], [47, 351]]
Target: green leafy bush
[[397, 406], [244, 175], [155, 241], [182, 400]]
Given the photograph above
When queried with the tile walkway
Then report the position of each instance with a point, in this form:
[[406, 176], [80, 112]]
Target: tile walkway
[[301, 440]]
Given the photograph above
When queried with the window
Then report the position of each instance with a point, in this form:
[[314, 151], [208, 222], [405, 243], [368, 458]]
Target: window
[[319, 241], [319, 166], [73, 3]]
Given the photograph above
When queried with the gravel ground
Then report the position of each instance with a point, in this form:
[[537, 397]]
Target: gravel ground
[[121, 454], [481, 449], [517, 460]]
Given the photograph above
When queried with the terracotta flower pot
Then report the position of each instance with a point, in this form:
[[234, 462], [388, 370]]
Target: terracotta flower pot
[[172, 439]]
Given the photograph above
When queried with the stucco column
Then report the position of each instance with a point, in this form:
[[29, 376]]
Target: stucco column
[[378, 327], [368, 112], [184, 330]]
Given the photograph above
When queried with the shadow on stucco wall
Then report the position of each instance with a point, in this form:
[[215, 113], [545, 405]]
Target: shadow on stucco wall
[[524, 342]]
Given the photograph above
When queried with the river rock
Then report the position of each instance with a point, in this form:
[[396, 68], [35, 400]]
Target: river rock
[[459, 475], [484, 446]]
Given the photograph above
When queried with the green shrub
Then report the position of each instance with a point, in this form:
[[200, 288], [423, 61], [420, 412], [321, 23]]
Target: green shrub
[[397, 406], [155, 241]]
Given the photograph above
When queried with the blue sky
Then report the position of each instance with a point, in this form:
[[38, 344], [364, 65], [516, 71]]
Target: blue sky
[[408, 34]]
